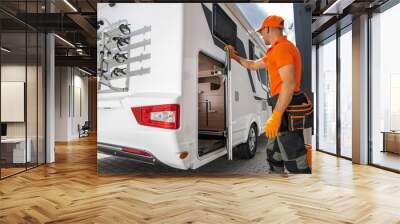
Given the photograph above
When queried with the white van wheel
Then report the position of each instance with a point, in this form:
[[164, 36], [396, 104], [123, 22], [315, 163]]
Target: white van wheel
[[248, 149]]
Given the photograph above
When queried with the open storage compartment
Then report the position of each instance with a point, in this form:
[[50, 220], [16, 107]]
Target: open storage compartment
[[211, 105]]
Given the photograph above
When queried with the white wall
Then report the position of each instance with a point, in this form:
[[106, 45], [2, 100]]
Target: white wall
[[61, 103], [33, 125], [12, 100], [16, 73], [79, 115], [71, 94]]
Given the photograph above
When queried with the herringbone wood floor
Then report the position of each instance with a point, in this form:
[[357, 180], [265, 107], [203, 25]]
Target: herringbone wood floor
[[70, 191]]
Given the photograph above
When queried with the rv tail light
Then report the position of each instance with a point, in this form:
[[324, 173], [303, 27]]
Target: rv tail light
[[160, 116], [136, 152]]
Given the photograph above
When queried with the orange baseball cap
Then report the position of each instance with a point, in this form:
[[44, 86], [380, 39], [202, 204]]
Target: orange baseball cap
[[272, 21]]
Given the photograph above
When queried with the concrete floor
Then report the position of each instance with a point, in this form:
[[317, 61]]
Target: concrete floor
[[255, 166]]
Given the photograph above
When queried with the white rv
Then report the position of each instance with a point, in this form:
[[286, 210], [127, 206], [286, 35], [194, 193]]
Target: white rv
[[166, 90]]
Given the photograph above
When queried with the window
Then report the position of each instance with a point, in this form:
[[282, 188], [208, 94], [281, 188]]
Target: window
[[346, 93], [251, 50], [22, 72], [263, 76], [327, 96], [385, 89], [223, 27], [252, 56]]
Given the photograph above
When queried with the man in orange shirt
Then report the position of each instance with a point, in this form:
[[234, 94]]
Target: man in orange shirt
[[283, 63]]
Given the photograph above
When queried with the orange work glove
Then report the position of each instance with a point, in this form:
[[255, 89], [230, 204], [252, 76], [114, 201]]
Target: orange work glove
[[232, 50], [272, 125]]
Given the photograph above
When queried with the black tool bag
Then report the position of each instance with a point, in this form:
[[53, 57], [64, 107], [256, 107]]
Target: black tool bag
[[299, 113]]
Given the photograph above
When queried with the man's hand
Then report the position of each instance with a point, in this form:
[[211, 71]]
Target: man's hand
[[249, 64], [273, 124], [231, 50]]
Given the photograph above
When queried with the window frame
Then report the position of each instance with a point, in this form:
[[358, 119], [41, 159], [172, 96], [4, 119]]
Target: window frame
[[217, 10], [379, 10], [333, 37]]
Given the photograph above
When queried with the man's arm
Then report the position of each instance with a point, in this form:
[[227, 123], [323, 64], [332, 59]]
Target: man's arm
[[287, 89], [250, 64]]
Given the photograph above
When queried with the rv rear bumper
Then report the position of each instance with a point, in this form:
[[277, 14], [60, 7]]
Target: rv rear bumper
[[115, 150]]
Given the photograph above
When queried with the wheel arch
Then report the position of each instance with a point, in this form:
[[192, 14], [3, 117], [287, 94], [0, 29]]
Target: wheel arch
[[256, 122]]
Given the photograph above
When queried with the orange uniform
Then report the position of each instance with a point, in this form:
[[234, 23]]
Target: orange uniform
[[281, 53]]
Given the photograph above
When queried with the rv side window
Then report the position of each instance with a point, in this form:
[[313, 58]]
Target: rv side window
[[223, 27], [263, 74], [258, 75], [252, 56], [251, 50]]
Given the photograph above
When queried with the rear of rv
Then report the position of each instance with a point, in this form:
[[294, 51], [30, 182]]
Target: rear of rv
[[139, 110]]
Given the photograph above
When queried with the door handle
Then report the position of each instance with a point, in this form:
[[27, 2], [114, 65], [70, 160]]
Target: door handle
[[209, 108], [227, 60]]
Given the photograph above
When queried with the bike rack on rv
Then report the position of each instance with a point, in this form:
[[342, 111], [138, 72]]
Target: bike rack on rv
[[115, 55]]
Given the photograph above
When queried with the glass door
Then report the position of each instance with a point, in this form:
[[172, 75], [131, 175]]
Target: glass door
[[22, 77], [14, 144]]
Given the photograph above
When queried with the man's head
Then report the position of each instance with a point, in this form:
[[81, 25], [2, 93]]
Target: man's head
[[271, 28]]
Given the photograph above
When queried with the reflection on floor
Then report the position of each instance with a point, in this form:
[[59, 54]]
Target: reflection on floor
[[16, 168], [10, 171], [387, 159], [71, 191]]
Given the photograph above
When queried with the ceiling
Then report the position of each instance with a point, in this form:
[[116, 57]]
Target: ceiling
[[330, 15], [73, 21]]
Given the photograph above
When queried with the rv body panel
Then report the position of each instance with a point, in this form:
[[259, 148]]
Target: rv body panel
[[161, 85], [119, 127], [179, 33]]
